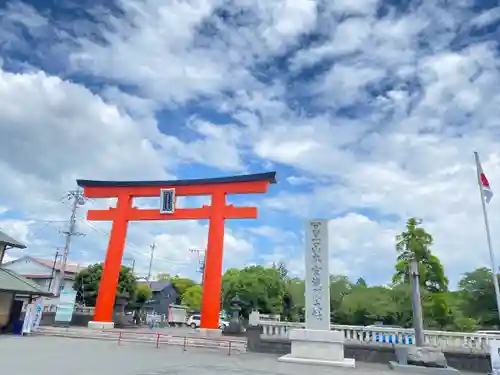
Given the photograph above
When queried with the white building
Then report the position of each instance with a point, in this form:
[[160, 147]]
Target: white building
[[44, 272]]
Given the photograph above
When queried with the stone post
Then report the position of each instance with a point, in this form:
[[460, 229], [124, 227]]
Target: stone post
[[317, 344], [418, 322]]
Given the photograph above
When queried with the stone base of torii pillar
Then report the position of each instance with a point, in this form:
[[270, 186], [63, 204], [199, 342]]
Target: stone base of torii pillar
[[321, 347], [317, 344], [101, 325]]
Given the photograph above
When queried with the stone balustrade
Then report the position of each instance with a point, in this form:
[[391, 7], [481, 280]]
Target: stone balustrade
[[446, 340]]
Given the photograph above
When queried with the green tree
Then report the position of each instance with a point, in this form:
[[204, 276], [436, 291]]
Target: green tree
[[230, 285], [365, 306], [288, 310], [87, 283], [143, 293], [181, 284], [436, 310], [402, 313], [259, 287], [477, 295], [283, 271], [340, 287], [463, 324], [460, 322], [295, 291], [361, 283], [415, 242], [192, 297]]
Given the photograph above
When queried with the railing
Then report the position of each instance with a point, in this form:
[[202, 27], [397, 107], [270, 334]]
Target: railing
[[446, 340], [155, 338]]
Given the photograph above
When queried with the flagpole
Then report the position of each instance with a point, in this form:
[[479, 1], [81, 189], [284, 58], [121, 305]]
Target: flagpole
[[494, 269]]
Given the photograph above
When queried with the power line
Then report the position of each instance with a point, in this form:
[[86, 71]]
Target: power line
[[133, 261], [201, 261], [107, 234], [47, 221], [134, 249], [45, 225]]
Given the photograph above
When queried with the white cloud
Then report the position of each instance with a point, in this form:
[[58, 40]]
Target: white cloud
[[486, 18], [67, 133], [301, 180], [274, 234], [358, 247], [173, 241], [17, 229]]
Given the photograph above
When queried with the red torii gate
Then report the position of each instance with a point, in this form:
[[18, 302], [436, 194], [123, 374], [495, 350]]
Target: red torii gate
[[216, 213]]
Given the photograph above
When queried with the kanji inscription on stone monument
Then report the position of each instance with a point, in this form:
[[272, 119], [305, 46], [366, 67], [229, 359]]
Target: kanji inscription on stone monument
[[317, 276]]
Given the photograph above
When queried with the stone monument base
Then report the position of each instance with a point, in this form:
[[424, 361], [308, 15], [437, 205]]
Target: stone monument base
[[412, 369], [101, 325], [234, 329], [210, 333], [420, 360], [319, 347]]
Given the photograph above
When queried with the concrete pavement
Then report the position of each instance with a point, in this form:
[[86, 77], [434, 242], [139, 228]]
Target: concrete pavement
[[61, 356]]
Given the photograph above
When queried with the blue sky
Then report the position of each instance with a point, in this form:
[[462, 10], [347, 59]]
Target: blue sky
[[368, 110]]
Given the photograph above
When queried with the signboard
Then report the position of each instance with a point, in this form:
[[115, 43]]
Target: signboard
[[66, 306], [28, 319], [167, 201], [495, 356], [33, 316], [317, 276]]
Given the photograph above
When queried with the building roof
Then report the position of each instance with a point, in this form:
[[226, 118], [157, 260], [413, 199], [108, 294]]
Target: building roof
[[269, 176], [9, 241], [12, 282], [70, 268], [67, 276], [156, 286]]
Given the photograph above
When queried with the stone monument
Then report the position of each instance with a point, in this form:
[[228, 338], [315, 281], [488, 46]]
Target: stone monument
[[235, 327], [120, 318], [317, 344]]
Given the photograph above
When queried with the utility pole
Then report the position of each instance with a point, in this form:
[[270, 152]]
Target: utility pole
[[152, 246], [201, 261], [57, 255], [418, 323], [78, 199], [133, 262]]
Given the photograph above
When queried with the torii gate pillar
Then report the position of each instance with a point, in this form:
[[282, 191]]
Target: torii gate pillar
[[216, 213]]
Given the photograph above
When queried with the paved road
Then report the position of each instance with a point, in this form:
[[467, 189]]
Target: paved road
[[61, 356]]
